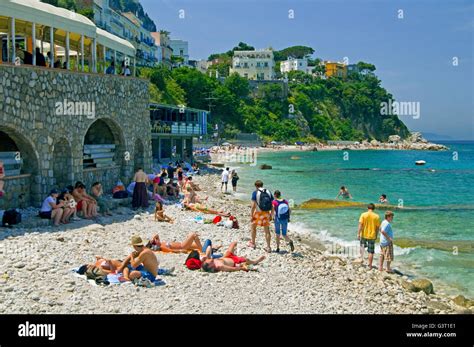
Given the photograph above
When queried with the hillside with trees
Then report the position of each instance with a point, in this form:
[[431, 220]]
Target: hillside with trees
[[315, 110]]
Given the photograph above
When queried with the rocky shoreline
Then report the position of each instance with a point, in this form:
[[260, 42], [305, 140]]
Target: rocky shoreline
[[36, 277], [415, 142]]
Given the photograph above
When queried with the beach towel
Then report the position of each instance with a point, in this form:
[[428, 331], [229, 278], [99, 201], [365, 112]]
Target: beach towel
[[117, 279]]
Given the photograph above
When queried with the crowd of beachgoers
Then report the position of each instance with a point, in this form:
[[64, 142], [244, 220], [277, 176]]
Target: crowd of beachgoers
[[196, 248]]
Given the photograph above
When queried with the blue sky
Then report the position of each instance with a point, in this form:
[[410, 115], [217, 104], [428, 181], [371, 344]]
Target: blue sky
[[413, 55]]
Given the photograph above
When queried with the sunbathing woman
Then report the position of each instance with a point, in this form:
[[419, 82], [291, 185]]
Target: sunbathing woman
[[203, 209], [160, 214], [107, 265], [191, 242]]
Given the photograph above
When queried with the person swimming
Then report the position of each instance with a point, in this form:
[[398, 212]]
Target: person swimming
[[383, 199], [344, 193]]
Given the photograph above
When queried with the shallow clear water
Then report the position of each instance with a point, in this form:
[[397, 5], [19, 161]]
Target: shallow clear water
[[440, 193]]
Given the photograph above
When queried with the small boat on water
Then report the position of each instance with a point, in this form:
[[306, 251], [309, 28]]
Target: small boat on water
[[420, 162]]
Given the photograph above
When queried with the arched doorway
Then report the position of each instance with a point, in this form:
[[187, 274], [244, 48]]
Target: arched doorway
[[104, 155], [62, 163], [22, 183], [139, 155]]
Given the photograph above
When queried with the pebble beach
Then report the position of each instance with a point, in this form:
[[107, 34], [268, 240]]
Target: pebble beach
[[36, 271]]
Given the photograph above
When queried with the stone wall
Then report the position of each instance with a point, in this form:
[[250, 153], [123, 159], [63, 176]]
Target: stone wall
[[17, 192], [51, 140]]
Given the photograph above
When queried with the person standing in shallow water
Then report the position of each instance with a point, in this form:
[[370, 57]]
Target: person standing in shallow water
[[140, 193], [344, 193], [234, 178], [225, 179], [369, 224], [386, 241]]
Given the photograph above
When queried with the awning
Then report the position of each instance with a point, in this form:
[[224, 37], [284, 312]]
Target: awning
[[41, 13], [115, 43]]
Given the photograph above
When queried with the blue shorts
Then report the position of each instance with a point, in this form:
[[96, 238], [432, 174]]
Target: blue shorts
[[281, 227], [144, 273]]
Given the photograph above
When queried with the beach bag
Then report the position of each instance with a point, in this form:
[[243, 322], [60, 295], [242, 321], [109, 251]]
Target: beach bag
[[193, 261], [11, 217], [121, 194], [283, 210], [264, 200], [235, 222]]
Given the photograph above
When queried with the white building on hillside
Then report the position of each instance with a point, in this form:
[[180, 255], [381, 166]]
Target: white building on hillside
[[254, 65], [294, 64], [180, 49]]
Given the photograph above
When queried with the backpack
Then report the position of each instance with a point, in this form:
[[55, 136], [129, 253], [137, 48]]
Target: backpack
[[282, 210], [121, 194], [11, 217], [264, 200]]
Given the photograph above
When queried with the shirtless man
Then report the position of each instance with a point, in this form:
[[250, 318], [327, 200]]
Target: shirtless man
[[344, 193], [229, 262], [191, 242], [140, 191], [85, 203], [140, 263]]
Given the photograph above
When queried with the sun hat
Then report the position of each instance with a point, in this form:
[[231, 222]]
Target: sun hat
[[137, 241]]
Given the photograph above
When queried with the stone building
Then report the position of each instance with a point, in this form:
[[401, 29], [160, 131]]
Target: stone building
[[58, 127]]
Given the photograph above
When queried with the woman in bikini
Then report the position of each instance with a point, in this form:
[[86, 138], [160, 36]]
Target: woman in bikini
[[107, 265], [160, 215], [191, 242], [203, 209]]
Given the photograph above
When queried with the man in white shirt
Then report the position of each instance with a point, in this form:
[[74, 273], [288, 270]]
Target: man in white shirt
[[225, 178]]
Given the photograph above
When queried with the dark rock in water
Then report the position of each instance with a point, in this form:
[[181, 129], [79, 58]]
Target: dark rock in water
[[462, 301], [409, 286], [423, 284], [266, 167]]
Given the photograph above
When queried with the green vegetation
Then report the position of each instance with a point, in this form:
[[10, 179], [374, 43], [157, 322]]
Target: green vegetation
[[315, 109]]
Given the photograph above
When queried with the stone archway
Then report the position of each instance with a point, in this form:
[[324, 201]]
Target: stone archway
[[139, 155], [105, 158], [62, 163], [22, 175]]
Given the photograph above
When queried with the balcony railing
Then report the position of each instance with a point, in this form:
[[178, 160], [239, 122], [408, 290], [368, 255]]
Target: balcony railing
[[175, 128]]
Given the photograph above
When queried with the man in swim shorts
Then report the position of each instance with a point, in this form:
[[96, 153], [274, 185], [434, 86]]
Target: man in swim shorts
[[260, 214], [140, 263], [230, 262]]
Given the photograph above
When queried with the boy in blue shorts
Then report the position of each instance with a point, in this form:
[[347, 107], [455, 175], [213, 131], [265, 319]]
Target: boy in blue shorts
[[281, 216]]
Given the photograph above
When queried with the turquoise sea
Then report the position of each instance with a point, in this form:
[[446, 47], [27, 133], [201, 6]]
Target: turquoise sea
[[438, 197]]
